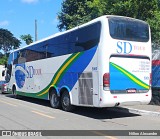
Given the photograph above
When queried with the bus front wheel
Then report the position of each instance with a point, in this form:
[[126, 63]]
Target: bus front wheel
[[65, 101], [54, 99]]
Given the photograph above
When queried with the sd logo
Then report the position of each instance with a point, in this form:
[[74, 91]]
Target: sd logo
[[124, 47]]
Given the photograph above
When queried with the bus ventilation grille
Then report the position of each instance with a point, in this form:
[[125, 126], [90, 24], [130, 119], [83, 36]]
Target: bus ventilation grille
[[85, 89]]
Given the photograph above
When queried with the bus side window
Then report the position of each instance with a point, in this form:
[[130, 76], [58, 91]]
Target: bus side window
[[22, 57], [3, 73], [59, 46], [88, 37]]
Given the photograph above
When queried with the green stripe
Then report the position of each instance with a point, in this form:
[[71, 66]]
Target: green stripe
[[136, 80]]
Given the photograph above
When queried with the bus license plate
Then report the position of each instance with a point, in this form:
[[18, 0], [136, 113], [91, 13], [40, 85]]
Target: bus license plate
[[131, 90]]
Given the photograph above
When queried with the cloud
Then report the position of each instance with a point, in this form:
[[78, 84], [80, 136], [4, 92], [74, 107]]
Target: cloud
[[29, 1], [4, 23]]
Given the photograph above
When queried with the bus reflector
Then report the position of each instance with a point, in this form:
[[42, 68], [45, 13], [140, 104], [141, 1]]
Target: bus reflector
[[114, 96], [106, 81]]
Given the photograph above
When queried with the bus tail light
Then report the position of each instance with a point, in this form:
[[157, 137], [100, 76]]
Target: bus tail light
[[3, 85], [106, 81]]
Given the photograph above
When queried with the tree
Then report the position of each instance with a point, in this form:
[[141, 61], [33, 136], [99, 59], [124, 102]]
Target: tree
[[139, 9], [3, 60], [75, 12], [8, 41], [27, 38], [147, 10]]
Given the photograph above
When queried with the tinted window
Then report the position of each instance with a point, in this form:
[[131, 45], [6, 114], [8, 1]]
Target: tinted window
[[57, 50], [128, 29], [58, 46], [35, 52], [9, 68], [76, 41], [15, 57], [88, 37]]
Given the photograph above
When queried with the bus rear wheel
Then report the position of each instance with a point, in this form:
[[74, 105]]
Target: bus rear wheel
[[66, 103], [54, 100]]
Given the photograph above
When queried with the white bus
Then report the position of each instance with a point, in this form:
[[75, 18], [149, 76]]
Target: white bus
[[103, 63]]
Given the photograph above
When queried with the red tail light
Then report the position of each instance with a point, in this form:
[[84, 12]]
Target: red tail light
[[106, 80], [4, 85]]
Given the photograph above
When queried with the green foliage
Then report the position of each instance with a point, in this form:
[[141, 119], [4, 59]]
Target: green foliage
[[139, 9], [154, 23], [8, 41], [27, 38], [3, 60], [76, 12], [147, 10]]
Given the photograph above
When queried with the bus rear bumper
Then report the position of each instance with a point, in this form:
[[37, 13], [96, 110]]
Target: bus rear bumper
[[125, 99]]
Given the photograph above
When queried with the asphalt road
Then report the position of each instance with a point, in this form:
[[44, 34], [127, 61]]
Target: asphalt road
[[33, 114]]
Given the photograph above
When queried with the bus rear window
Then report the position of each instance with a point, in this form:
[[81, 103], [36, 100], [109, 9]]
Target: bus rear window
[[128, 29]]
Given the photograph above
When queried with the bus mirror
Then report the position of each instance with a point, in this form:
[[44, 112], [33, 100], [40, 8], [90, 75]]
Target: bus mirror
[[5, 65], [3, 72]]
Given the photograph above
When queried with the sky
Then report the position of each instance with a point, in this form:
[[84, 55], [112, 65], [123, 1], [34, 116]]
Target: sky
[[18, 16]]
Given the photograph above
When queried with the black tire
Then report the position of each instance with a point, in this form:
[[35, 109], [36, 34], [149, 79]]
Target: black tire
[[54, 100], [65, 102]]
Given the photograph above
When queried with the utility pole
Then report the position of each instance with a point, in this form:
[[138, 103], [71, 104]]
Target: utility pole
[[36, 33]]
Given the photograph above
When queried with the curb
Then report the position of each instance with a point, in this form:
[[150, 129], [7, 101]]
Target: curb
[[136, 111], [143, 112]]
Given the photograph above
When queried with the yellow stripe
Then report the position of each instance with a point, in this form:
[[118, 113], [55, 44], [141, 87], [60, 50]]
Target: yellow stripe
[[64, 67], [42, 114], [134, 79], [43, 92], [59, 73]]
